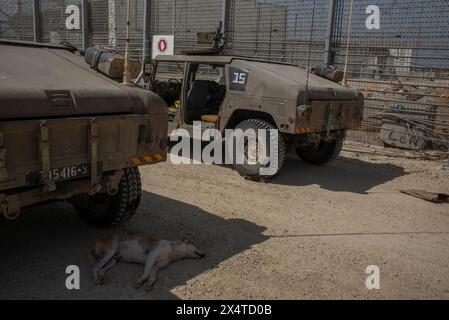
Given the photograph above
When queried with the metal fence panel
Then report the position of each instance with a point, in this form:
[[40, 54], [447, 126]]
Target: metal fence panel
[[279, 30], [16, 20], [101, 28], [185, 19], [402, 68], [107, 25], [55, 23]]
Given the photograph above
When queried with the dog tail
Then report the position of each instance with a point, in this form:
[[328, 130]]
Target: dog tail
[[92, 257]]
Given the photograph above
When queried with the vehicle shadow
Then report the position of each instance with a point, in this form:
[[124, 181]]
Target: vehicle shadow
[[343, 175], [37, 248]]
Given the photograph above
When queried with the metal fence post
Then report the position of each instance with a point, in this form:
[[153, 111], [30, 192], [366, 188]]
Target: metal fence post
[[146, 49], [146, 54], [225, 18], [36, 21], [85, 13], [328, 54]]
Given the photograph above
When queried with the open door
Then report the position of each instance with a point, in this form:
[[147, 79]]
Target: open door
[[168, 82], [205, 91]]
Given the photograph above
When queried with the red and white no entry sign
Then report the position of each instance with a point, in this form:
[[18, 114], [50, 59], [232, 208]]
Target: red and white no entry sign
[[163, 45]]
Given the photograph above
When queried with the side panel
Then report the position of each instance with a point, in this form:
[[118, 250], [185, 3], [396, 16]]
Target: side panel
[[242, 94]]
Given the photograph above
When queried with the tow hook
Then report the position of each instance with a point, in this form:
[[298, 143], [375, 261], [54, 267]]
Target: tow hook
[[112, 182], [10, 205], [109, 184], [95, 189]]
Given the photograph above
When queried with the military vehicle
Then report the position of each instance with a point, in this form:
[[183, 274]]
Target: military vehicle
[[311, 110], [67, 132]]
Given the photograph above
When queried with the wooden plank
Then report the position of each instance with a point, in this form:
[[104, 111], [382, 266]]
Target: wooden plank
[[428, 196]]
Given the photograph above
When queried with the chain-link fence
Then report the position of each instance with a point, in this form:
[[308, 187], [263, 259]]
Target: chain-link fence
[[185, 19], [396, 52], [402, 67], [16, 20], [285, 31]]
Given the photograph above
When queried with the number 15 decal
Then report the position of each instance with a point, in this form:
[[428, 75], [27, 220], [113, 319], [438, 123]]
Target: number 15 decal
[[239, 79]]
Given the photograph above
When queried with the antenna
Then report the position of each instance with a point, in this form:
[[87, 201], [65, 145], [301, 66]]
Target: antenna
[[126, 71], [310, 51]]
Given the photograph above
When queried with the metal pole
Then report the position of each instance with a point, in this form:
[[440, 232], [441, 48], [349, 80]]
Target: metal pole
[[348, 39], [127, 72], [328, 56], [36, 22], [174, 17], [310, 51], [85, 11], [225, 18], [146, 53], [147, 32]]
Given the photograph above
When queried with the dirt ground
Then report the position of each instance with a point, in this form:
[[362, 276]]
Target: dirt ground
[[309, 234]]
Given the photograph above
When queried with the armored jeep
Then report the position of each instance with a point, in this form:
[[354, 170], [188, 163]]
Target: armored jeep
[[311, 112], [69, 133]]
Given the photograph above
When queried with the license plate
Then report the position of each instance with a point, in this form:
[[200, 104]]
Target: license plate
[[70, 172]]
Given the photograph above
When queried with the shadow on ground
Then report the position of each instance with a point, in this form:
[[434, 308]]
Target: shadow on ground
[[343, 175], [37, 248]]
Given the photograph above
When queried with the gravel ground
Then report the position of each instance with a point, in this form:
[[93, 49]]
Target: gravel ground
[[309, 234]]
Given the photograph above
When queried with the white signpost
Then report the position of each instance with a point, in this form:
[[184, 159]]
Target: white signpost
[[163, 45]]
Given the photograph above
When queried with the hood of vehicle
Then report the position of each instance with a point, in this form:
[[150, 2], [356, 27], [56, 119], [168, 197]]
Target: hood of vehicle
[[291, 81], [39, 82]]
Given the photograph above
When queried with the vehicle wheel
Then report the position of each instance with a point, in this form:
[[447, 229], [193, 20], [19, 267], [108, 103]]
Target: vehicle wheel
[[252, 171], [104, 210], [326, 152]]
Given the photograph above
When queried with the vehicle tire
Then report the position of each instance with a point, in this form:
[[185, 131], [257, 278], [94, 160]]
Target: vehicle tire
[[103, 210], [326, 152], [252, 171]]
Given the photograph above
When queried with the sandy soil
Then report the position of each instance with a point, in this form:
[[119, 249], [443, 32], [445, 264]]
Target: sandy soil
[[309, 234]]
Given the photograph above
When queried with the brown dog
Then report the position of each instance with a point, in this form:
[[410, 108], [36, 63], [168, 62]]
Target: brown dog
[[154, 254]]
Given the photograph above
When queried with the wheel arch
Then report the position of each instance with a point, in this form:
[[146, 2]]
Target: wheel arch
[[245, 114]]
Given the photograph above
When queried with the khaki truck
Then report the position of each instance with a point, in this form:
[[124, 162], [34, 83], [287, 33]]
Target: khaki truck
[[311, 110], [69, 133]]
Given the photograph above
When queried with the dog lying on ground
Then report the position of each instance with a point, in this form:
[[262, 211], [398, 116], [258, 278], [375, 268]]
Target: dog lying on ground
[[154, 254]]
